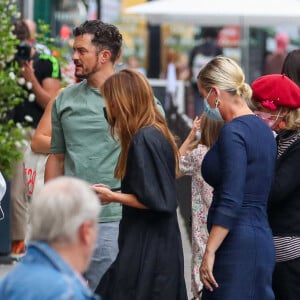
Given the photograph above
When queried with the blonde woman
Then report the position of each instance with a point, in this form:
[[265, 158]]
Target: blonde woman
[[150, 260], [239, 256], [192, 152]]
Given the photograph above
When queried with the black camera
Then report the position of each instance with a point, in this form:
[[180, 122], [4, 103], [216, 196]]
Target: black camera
[[23, 52]]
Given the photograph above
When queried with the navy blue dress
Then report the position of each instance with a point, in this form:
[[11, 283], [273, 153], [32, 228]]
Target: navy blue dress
[[240, 167], [150, 263]]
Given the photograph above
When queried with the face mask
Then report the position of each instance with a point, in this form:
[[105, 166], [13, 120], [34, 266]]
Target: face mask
[[266, 117], [212, 113]]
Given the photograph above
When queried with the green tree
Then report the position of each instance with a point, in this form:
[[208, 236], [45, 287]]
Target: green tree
[[11, 91]]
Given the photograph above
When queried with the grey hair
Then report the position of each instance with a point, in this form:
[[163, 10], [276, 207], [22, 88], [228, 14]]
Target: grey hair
[[61, 206]]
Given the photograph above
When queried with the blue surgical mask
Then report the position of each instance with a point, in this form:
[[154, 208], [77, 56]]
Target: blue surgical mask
[[212, 113]]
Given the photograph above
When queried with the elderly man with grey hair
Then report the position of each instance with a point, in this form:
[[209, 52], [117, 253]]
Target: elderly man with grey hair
[[63, 219]]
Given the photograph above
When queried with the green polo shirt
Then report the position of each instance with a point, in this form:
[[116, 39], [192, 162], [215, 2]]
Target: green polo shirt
[[81, 133]]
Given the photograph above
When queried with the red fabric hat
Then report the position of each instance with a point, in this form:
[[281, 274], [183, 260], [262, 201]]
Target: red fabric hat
[[276, 90]]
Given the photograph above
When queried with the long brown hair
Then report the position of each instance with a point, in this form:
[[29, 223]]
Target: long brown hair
[[130, 106], [210, 130]]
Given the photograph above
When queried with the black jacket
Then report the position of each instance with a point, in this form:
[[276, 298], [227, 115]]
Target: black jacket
[[284, 199]]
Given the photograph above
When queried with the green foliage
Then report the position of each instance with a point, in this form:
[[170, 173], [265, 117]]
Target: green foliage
[[11, 92]]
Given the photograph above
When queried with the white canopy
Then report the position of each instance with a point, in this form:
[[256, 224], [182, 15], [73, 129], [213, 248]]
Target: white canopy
[[220, 12], [248, 13]]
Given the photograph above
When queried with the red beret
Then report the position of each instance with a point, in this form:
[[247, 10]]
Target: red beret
[[276, 90]]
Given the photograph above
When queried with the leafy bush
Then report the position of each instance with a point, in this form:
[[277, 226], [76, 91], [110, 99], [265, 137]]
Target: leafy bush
[[11, 91]]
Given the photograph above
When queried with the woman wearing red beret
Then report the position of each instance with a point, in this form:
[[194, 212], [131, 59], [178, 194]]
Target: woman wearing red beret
[[278, 98], [239, 257]]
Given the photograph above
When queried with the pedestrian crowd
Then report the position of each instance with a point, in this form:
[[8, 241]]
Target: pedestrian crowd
[[100, 216]]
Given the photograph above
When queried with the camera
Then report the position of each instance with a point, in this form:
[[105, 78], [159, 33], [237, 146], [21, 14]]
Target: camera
[[23, 52]]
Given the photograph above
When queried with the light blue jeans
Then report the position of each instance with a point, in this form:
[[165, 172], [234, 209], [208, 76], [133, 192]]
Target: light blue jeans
[[105, 252]]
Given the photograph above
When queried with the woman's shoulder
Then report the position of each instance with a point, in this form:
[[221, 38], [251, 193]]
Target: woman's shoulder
[[148, 131], [149, 135]]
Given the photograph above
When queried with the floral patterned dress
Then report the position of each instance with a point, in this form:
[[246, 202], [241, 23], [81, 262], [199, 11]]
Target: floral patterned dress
[[190, 164]]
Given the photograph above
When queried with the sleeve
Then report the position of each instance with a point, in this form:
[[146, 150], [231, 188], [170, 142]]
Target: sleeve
[[286, 179], [233, 158], [190, 164], [150, 175], [57, 137], [47, 67]]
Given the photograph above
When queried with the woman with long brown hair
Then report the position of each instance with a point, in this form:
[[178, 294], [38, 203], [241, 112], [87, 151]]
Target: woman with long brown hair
[[150, 260]]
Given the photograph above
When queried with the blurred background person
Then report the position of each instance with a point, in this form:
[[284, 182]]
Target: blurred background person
[[278, 100], [199, 56], [239, 257], [171, 85], [202, 136], [291, 66], [43, 49], [274, 60], [43, 78], [134, 63], [62, 238]]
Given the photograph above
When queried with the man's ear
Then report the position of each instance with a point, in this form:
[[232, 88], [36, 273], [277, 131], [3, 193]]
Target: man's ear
[[86, 232], [105, 55]]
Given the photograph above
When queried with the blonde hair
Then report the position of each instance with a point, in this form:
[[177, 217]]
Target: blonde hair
[[227, 75], [129, 94], [292, 119]]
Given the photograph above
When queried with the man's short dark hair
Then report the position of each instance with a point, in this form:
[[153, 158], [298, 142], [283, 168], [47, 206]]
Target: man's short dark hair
[[21, 30], [106, 36]]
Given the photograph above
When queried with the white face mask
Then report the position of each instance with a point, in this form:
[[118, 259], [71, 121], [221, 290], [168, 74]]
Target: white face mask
[[266, 117]]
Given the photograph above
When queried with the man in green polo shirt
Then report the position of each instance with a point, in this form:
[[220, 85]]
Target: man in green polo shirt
[[81, 144]]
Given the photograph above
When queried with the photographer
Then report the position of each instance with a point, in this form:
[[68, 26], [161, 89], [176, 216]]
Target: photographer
[[41, 70], [41, 75]]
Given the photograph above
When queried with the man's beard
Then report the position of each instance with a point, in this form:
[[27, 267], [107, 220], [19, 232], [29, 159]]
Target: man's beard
[[82, 76]]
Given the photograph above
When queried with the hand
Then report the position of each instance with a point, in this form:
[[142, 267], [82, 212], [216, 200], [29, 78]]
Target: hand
[[197, 123], [195, 128], [206, 275], [27, 71], [104, 193]]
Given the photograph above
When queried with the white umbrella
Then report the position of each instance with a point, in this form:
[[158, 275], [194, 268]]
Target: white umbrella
[[220, 12], [251, 13]]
